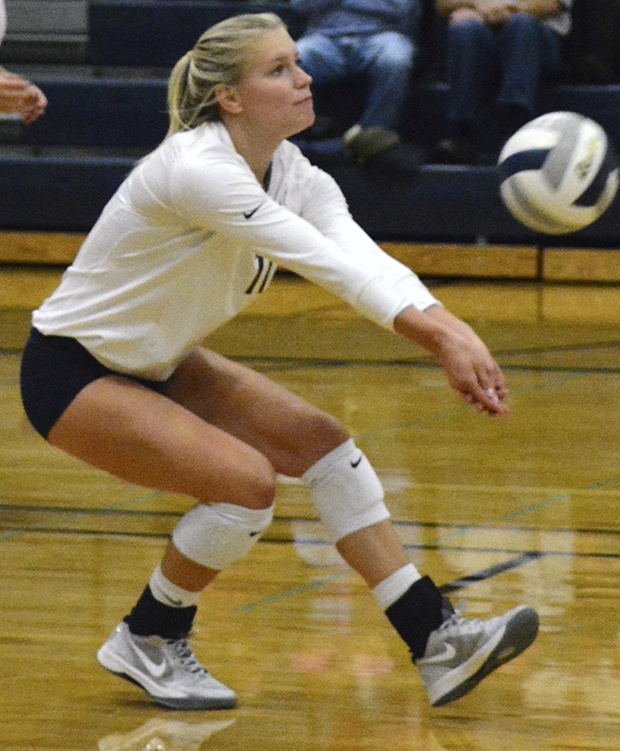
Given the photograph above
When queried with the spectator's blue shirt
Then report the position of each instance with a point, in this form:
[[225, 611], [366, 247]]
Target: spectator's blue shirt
[[351, 17]]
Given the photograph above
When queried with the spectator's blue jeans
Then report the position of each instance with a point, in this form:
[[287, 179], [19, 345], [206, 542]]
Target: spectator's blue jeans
[[517, 58], [386, 58]]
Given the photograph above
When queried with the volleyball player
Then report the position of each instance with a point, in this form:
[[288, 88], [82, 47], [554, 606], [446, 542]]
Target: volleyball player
[[114, 372]]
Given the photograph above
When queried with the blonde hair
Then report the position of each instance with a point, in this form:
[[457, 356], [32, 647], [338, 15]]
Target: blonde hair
[[218, 58]]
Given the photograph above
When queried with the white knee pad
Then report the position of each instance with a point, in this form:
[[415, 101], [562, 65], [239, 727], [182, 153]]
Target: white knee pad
[[346, 491], [219, 534]]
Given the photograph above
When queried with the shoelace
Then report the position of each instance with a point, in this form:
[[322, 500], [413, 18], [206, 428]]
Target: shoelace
[[456, 619], [187, 658]]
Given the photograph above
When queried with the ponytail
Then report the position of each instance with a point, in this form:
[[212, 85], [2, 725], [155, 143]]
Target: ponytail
[[218, 58]]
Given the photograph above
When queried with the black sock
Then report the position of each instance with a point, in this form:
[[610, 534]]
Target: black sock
[[419, 611], [149, 616]]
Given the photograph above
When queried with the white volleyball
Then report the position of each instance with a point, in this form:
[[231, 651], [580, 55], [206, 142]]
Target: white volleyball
[[558, 173]]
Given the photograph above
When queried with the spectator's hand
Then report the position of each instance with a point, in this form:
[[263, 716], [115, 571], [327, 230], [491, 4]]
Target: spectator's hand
[[466, 14], [35, 104], [497, 14], [20, 97]]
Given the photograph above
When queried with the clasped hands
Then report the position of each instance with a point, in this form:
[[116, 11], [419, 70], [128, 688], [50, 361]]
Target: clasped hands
[[20, 97]]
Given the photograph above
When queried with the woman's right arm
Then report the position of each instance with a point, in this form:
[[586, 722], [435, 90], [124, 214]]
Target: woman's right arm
[[469, 366]]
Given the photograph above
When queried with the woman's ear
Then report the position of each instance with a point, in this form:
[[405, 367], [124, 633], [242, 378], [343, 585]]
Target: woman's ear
[[227, 99]]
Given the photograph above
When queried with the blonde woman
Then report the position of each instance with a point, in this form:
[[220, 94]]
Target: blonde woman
[[115, 374]]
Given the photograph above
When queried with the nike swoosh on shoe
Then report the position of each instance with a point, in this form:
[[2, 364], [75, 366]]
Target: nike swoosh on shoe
[[448, 654], [156, 669]]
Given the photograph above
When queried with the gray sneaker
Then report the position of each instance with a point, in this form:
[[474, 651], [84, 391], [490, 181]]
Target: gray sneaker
[[166, 669], [461, 652]]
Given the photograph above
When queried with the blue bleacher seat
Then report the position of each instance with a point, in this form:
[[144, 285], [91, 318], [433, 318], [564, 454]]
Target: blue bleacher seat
[[149, 32], [58, 193], [101, 112], [452, 204], [442, 204]]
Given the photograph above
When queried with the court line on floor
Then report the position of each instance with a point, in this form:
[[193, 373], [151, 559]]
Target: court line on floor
[[546, 385], [491, 571], [457, 584], [556, 348], [295, 364], [466, 530], [72, 513], [75, 515], [302, 542]]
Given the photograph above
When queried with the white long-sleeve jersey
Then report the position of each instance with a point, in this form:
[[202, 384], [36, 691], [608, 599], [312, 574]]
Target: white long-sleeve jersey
[[191, 238]]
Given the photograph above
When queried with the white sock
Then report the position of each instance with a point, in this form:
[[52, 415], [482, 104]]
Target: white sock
[[395, 586], [170, 594]]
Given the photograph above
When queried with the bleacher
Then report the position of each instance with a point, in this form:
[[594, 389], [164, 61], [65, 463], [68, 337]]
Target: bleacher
[[103, 66]]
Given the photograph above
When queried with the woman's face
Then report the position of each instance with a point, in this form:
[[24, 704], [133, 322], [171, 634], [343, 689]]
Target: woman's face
[[274, 95]]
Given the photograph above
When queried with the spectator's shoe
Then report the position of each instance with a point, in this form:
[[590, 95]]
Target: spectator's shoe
[[367, 143], [166, 669], [461, 652], [454, 151]]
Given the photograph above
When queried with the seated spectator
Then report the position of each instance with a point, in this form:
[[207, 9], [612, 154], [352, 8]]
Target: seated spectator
[[345, 39], [18, 96], [505, 47]]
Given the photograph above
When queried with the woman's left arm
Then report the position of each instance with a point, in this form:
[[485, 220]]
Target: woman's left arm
[[470, 368]]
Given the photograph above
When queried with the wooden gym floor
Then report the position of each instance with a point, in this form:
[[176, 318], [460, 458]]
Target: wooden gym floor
[[517, 510]]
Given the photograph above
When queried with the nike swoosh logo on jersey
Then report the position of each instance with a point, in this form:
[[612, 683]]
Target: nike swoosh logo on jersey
[[154, 668], [357, 462], [250, 214], [448, 654]]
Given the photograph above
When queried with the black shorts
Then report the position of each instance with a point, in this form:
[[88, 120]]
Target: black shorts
[[54, 371]]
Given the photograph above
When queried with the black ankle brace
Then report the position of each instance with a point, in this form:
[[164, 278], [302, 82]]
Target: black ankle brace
[[151, 617], [419, 611]]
